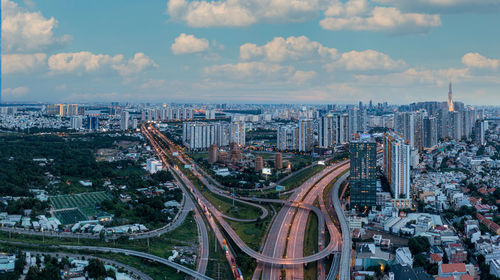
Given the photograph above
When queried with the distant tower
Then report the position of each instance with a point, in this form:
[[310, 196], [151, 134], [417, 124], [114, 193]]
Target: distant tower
[[278, 161], [450, 100], [259, 163]]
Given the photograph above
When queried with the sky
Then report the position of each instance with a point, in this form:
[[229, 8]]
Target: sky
[[251, 51]]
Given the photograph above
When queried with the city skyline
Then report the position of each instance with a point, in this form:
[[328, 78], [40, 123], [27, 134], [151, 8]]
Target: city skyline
[[268, 51]]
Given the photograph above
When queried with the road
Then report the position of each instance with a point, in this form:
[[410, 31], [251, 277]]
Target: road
[[277, 237], [236, 239], [345, 257], [152, 135], [295, 247], [203, 250], [135, 273], [143, 255]]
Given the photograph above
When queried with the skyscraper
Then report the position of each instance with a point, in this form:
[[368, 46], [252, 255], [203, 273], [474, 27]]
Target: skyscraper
[[363, 172], [397, 160], [430, 132], [76, 122], [451, 106], [306, 135], [327, 132], [93, 122], [124, 120], [287, 138], [237, 133]]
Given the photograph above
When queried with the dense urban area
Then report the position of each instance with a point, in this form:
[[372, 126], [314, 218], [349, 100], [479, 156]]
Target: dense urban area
[[232, 191]]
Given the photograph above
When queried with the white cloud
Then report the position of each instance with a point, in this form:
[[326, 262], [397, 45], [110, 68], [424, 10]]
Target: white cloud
[[280, 49], [365, 60], [248, 70], [355, 15], [476, 60], [87, 61], [135, 65], [349, 8], [24, 31], [203, 13], [301, 77], [206, 14], [13, 63], [189, 44], [15, 92], [153, 84], [445, 6], [414, 76], [61, 87]]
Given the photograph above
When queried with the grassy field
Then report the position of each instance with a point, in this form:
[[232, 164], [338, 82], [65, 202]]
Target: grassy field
[[223, 204], [251, 233], [218, 267], [311, 246], [299, 178], [86, 202], [71, 216]]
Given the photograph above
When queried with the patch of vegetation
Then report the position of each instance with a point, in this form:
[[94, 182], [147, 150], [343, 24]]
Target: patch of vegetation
[[311, 246]]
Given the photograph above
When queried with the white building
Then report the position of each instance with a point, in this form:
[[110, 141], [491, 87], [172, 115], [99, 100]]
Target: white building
[[327, 132], [200, 135], [397, 159], [76, 122], [404, 256], [306, 137], [287, 138], [153, 166], [124, 120]]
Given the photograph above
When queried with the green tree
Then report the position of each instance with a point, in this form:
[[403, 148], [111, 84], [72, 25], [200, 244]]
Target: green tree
[[418, 245], [96, 269]]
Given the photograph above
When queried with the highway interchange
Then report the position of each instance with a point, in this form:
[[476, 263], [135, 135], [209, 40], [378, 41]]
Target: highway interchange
[[272, 257], [283, 247]]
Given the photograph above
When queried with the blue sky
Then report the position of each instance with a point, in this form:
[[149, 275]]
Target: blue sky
[[250, 51]]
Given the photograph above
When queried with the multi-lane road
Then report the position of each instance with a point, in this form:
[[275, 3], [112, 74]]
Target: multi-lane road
[[189, 205], [288, 228]]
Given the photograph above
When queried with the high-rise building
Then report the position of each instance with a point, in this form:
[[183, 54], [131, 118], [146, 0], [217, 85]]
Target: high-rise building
[[451, 106], [287, 138], [397, 160], [212, 153], [210, 114], [306, 137], [327, 132], [480, 129], [237, 133], [455, 126], [430, 132], [363, 180], [342, 133], [124, 120], [200, 135], [76, 122], [358, 120], [93, 122], [278, 160], [259, 163]]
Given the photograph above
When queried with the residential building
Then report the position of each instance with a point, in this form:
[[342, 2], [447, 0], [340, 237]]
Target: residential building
[[397, 161], [363, 172]]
